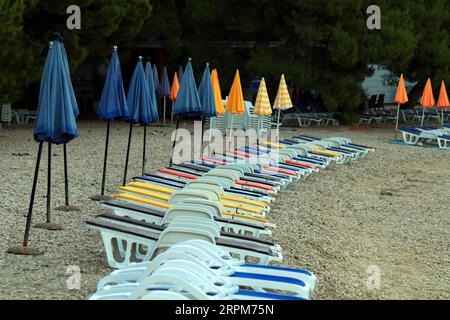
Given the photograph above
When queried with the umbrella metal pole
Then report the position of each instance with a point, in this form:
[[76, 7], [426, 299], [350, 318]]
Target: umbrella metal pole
[[105, 159], [49, 182], [278, 123], [396, 123], [442, 117], [201, 139], [164, 111], [143, 149], [33, 193], [127, 156], [66, 178], [423, 116], [175, 139]]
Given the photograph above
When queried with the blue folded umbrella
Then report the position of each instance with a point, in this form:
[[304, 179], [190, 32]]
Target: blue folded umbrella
[[139, 100], [180, 74], [113, 104], [57, 108], [164, 86], [155, 78], [188, 101], [151, 86], [206, 94]]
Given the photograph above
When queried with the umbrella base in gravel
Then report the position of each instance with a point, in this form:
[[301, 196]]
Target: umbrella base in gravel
[[49, 226], [100, 198], [24, 250], [68, 208]]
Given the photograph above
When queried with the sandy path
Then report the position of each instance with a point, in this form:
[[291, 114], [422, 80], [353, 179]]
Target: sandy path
[[337, 224]]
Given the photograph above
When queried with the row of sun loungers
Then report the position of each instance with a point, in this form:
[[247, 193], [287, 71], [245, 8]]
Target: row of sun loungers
[[200, 229], [428, 135]]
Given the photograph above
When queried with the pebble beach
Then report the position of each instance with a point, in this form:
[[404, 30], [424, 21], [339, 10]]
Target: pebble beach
[[388, 213]]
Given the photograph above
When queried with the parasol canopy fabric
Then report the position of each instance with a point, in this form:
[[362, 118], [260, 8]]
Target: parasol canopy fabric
[[175, 88], [164, 86], [180, 74], [57, 108], [151, 86], [235, 101], [113, 103], [220, 109], [155, 78], [188, 100], [443, 98], [427, 99], [206, 94], [139, 99], [262, 103], [400, 96], [283, 100]]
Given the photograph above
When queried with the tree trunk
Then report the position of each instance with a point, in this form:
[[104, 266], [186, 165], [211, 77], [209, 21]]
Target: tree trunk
[[414, 95]]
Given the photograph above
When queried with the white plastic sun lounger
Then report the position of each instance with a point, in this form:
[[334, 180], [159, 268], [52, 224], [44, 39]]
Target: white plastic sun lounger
[[211, 262], [414, 135]]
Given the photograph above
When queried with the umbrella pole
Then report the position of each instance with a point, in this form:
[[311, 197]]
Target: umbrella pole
[[66, 179], [442, 116], [201, 139], [423, 116], [164, 111], [33, 193], [171, 113], [396, 122], [105, 158], [175, 140], [124, 181], [278, 123], [143, 149], [49, 182]]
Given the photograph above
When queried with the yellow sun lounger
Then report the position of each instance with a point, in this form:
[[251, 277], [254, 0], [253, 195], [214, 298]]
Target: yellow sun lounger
[[169, 191], [166, 198], [163, 205]]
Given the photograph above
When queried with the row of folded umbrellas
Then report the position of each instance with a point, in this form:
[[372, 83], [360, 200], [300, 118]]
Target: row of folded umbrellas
[[58, 109]]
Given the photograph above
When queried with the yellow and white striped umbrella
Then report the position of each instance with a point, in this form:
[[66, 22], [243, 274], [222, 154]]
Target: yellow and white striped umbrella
[[262, 104], [283, 100]]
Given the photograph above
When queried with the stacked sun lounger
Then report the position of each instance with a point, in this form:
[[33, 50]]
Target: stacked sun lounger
[[427, 135], [200, 229]]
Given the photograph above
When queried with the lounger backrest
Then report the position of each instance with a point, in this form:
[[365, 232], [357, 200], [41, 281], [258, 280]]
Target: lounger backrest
[[185, 194], [188, 210], [172, 235], [216, 206]]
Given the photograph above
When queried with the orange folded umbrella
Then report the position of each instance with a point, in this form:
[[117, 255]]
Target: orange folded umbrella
[[220, 109], [443, 98], [427, 96], [235, 102], [401, 97], [175, 88]]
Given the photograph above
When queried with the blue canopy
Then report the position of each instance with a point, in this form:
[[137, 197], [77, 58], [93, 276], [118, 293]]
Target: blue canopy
[[206, 94], [180, 74], [113, 104], [72, 93], [155, 78], [164, 86], [57, 108], [188, 101], [139, 101], [151, 85]]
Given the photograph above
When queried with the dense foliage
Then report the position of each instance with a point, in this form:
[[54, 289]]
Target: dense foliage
[[323, 45]]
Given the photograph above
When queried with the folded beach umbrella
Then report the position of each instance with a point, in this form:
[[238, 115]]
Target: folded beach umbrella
[[400, 98], [262, 105], [142, 110], [55, 124], [173, 94], [164, 90], [180, 73], [443, 102], [112, 106], [220, 109], [155, 78], [188, 100], [70, 88], [283, 100], [427, 100], [151, 85], [206, 94], [235, 101]]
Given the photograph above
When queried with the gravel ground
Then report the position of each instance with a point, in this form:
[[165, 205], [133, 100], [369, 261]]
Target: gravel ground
[[388, 212]]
